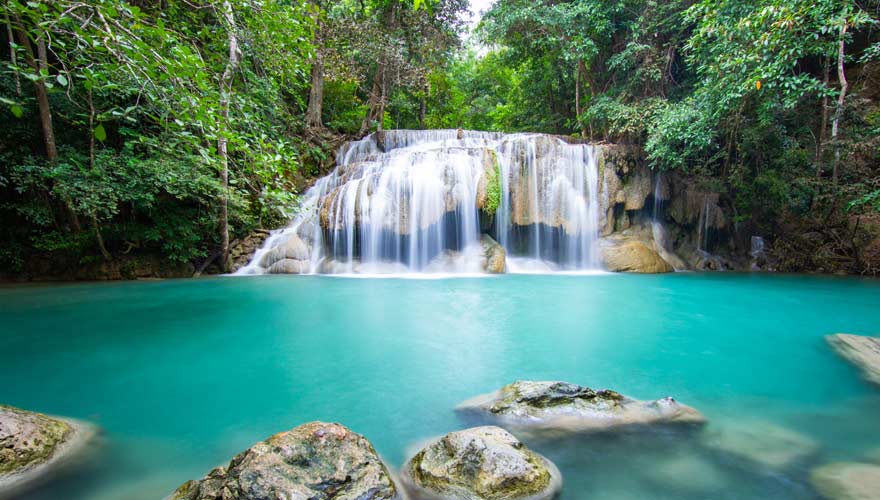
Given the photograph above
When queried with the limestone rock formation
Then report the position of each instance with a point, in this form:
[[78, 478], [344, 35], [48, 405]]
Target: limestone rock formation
[[760, 442], [624, 182], [483, 463], [494, 255], [291, 257], [32, 445], [847, 481], [240, 251], [315, 461], [632, 251], [565, 407], [861, 351]]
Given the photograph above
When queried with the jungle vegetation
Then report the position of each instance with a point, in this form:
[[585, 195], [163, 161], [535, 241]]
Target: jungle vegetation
[[173, 127]]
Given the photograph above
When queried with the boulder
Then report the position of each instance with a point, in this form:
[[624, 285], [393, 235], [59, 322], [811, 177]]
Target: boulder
[[483, 463], [294, 248], [762, 443], [565, 407], [847, 481], [315, 461], [33, 445], [863, 352], [494, 255], [631, 256]]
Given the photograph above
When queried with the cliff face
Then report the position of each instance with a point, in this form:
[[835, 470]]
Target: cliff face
[[686, 224]]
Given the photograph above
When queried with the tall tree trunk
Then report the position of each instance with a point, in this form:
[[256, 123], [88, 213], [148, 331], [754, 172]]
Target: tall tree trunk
[[838, 113], [378, 93], [40, 91], [39, 66], [12, 57], [820, 145], [316, 93], [376, 105], [578, 76], [225, 93]]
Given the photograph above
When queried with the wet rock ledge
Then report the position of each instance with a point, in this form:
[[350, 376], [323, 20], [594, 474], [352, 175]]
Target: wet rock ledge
[[563, 407], [33, 446], [315, 461]]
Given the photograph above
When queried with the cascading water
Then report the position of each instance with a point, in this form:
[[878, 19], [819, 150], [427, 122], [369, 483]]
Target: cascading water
[[421, 201]]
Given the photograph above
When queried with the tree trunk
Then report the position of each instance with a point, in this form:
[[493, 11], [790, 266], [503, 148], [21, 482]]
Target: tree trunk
[[838, 113], [578, 76], [40, 91], [225, 92], [423, 112], [40, 67], [820, 145], [378, 93], [376, 108], [316, 93], [13, 58]]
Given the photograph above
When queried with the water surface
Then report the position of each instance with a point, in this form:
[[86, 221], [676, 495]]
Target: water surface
[[181, 375]]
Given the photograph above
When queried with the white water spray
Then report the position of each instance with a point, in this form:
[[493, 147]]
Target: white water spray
[[405, 201]]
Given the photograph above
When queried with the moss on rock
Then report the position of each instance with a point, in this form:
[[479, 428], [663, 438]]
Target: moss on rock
[[483, 463], [28, 439], [316, 461]]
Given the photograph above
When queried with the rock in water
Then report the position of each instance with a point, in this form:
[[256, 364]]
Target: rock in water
[[847, 481], [561, 406], [315, 461], [761, 442], [494, 255], [32, 445], [632, 256], [863, 352], [483, 463], [291, 257]]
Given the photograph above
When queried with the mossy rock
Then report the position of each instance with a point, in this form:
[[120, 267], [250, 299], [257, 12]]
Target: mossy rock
[[32, 445], [562, 407], [315, 461], [28, 438], [483, 463]]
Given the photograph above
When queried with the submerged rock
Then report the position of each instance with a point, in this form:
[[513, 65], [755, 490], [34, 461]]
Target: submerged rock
[[861, 351], [494, 255], [763, 443], [561, 406], [847, 481], [690, 474], [483, 463], [33, 445], [315, 461], [631, 256]]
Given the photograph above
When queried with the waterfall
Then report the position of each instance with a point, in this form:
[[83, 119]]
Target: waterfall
[[658, 202], [410, 201], [703, 226]]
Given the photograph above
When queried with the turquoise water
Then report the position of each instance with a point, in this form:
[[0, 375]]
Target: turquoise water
[[181, 375]]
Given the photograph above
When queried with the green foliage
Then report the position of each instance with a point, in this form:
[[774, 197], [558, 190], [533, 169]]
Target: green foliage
[[869, 201], [137, 108], [493, 187]]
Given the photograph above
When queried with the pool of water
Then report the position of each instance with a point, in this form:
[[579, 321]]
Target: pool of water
[[181, 375]]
